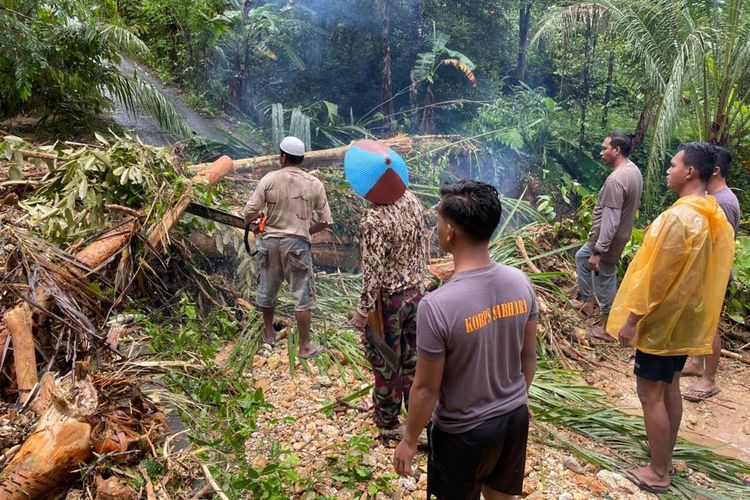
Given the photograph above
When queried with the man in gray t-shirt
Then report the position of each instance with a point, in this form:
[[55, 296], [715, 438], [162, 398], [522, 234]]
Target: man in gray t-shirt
[[705, 387], [611, 225], [476, 358]]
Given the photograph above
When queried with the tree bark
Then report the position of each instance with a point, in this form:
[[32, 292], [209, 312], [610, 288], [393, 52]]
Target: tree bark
[[524, 20], [400, 144], [427, 123], [608, 90], [18, 322], [386, 89], [59, 443], [644, 122]]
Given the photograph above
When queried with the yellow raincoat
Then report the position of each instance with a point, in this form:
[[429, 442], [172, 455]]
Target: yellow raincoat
[[678, 279]]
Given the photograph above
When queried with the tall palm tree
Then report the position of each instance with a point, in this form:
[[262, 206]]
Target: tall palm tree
[[386, 90], [695, 55]]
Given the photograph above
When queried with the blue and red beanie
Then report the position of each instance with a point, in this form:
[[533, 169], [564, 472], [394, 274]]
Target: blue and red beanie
[[376, 172]]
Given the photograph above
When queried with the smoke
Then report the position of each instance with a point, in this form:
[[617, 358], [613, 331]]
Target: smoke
[[340, 42]]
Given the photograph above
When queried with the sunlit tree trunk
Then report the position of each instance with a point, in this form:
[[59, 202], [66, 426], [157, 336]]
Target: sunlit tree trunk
[[524, 20]]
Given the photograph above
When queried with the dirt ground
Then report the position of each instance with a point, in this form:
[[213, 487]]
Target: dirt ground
[[721, 422], [297, 421]]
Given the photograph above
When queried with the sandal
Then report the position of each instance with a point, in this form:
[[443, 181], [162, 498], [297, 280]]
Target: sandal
[[636, 480], [312, 354]]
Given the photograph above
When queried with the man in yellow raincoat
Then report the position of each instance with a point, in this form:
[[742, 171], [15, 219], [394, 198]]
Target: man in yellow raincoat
[[670, 300]]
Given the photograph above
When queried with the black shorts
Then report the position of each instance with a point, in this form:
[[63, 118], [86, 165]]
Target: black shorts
[[492, 454], [658, 368]]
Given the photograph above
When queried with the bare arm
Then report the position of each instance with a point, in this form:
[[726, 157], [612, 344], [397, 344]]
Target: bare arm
[[528, 352], [422, 398]]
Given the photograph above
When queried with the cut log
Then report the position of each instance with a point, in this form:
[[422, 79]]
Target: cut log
[[60, 442], [18, 323], [400, 144]]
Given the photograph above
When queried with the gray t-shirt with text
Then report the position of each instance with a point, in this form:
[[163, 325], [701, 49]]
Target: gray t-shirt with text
[[477, 321]]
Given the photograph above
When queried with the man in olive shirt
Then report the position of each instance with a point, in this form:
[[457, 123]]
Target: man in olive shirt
[[613, 219], [289, 197]]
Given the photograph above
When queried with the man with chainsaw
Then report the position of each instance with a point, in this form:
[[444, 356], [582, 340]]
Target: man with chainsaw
[[393, 265], [286, 200]]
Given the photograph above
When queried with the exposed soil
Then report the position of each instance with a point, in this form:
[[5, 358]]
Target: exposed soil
[[299, 424], [721, 422]]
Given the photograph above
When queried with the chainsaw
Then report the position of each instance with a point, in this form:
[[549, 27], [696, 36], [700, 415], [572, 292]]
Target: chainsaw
[[255, 227]]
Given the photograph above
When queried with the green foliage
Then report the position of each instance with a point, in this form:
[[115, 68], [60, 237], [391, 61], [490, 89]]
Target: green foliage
[[527, 135], [738, 299], [220, 407], [350, 469], [275, 480], [71, 203], [61, 59], [695, 56], [299, 126]]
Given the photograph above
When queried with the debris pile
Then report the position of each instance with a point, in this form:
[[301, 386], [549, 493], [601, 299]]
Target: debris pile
[[96, 391]]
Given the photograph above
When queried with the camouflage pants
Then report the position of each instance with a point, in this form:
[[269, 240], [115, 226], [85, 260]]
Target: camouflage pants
[[392, 387]]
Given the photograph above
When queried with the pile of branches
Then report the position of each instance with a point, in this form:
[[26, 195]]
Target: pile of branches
[[85, 232], [64, 280]]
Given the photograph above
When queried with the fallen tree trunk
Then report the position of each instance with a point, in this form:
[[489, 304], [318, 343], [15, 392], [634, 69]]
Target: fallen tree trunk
[[93, 256], [158, 236], [400, 144]]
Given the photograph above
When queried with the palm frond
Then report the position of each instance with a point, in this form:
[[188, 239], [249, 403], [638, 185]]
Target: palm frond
[[669, 107], [123, 40], [137, 94], [557, 397]]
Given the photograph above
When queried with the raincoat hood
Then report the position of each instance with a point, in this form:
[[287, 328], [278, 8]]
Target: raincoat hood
[[709, 208]]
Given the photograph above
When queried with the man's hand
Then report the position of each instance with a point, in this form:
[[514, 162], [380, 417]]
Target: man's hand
[[594, 263], [358, 321], [256, 218], [627, 334], [403, 457]]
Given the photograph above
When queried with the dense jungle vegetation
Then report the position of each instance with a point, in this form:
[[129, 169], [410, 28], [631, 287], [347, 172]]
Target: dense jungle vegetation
[[536, 84], [518, 93]]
